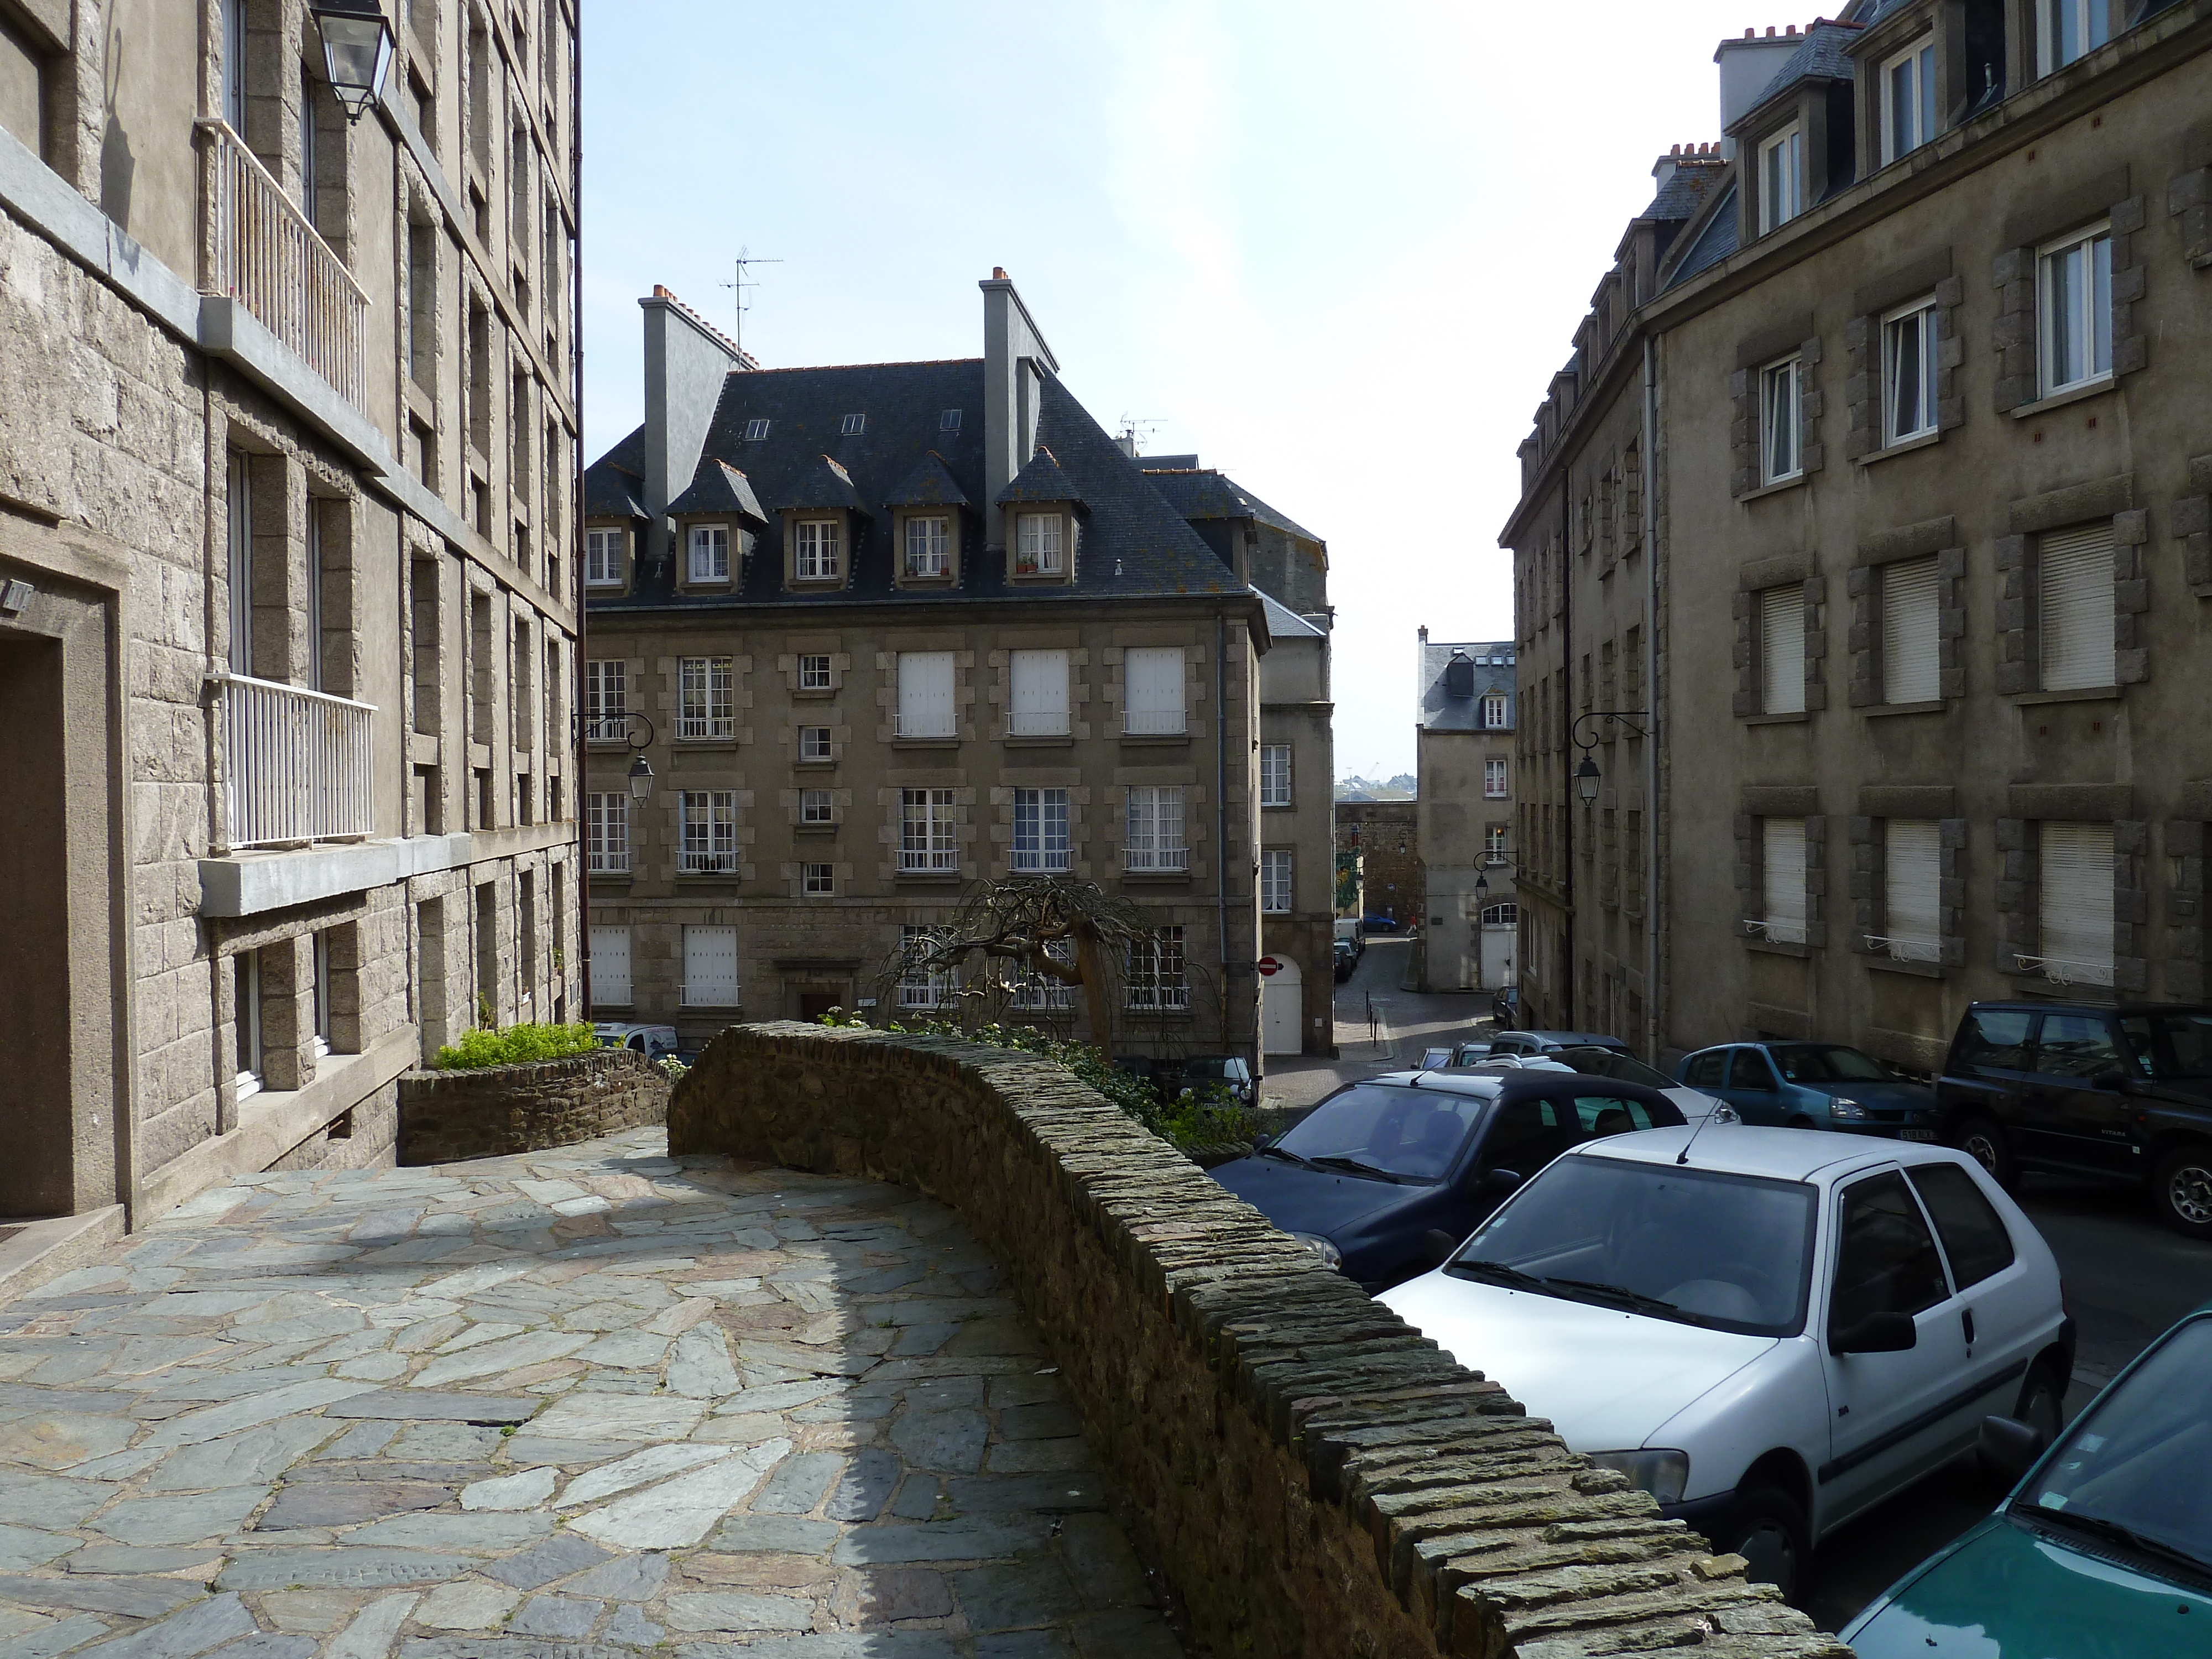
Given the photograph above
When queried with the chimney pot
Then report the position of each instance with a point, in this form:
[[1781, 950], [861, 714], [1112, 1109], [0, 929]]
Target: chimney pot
[[1747, 33], [1770, 31], [998, 273]]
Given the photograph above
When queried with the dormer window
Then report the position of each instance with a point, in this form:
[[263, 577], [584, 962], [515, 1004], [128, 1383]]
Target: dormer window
[[710, 553], [1493, 712], [2067, 29], [1781, 179], [928, 547], [816, 551], [1038, 544], [1459, 675], [603, 551], [1908, 100]]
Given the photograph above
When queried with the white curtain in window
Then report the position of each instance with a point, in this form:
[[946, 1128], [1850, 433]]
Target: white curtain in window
[[1782, 650], [1152, 686], [1040, 688], [1783, 847], [710, 967], [2074, 610], [2075, 902], [1275, 882], [926, 694], [611, 966], [1275, 774], [1912, 660], [1912, 883]]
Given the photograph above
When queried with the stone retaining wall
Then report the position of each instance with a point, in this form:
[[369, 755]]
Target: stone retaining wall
[[1315, 1477], [498, 1109]]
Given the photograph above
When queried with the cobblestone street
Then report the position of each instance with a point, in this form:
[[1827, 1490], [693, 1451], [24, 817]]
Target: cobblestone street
[[596, 1397]]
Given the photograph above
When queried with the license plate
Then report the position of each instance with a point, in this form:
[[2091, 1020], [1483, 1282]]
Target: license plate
[[1916, 1135]]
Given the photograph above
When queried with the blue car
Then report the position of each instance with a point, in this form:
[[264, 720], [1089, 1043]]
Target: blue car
[[1812, 1086], [2104, 1548], [1369, 1175]]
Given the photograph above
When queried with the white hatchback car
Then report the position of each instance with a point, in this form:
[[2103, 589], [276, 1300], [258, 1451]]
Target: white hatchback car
[[1768, 1330]]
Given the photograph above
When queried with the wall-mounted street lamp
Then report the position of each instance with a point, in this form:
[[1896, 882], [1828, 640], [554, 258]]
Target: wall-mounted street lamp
[[357, 46], [641, 777], [1587, 776], [600, 728]]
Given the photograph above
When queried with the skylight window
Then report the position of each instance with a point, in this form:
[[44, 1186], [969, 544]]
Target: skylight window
[[949, 421], [754, 431], [854, 426]]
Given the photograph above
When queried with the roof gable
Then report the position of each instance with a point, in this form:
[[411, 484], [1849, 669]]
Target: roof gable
[[1041, 480], [930, 484], [717, 487]]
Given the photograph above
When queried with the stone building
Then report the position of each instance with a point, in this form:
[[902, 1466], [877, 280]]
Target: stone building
[[286, 613], [1466, 760], [1387, 836], [878, 632], [1923, 376]]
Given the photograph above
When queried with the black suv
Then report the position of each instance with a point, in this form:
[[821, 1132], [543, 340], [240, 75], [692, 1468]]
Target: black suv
[[2122, 1093]]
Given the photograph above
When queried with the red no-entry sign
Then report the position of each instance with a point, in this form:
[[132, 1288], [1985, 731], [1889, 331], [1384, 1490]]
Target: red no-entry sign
[[1269, 967]]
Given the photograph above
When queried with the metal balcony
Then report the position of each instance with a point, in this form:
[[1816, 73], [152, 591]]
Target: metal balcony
[[299, 763]]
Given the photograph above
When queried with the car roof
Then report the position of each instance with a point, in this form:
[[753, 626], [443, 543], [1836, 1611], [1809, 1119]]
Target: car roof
[[1755, 1150], [1485, 1083], [2047, 1007], [1569, 1039]]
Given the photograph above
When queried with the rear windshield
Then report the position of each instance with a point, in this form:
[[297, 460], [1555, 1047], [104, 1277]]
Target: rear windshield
[[1605, 1063], [1825, 1062], [1411, 1134]]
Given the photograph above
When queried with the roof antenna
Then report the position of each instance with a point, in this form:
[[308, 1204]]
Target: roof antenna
[[1135, 428], [1683, 1157], [738, 285]]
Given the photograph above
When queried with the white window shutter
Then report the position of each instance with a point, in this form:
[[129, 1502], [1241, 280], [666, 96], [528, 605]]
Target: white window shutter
[[1151, 678], [1040, 688], [1783, 847], [1782, 650], [611, 966], [1912, 659], [1912, 883], [710, 967], [926, 694], [2074, 590], [2076, 902]]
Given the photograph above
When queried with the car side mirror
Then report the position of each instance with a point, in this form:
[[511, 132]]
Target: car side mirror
[[1437, 1247], [1499, 1182], [1879, 1333], [2008, 1447], [2111, 1077]]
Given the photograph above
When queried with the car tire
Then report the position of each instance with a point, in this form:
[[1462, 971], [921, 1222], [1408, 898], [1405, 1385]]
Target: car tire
[[1769, 1531], [2181, 1190], [1982, 1139]]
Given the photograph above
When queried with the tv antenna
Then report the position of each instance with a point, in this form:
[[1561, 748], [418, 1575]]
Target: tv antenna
[[1135, 428], [738, 285]]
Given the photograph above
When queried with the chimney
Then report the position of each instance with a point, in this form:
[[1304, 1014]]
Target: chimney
[[1014, 353], [686, 361], [1748, 67]]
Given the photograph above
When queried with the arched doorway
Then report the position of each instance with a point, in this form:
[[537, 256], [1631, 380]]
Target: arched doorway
[[1282, 1007]]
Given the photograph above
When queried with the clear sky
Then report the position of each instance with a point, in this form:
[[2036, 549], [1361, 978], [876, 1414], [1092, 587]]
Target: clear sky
[[1338, 251]]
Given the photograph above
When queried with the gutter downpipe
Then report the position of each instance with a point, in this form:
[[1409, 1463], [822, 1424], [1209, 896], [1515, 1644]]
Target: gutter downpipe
[[1221, 817], [581, 944], [1651, 697], [1570, 1018]]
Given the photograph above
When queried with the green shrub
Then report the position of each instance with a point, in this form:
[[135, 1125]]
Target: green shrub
[[484, 1047]]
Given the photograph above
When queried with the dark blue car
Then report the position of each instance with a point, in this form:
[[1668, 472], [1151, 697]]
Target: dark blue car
[[1367, 1175]]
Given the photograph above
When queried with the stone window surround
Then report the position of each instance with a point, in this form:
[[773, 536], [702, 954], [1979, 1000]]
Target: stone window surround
[[887, 691], [1761, 801], [1877, 804], [2019, 651], [953, 547], [811, 645], [1113, 825], [2019, 930], [890, 801], [2016, 327], [1753, 580], [1080, 797], [1936, 536], [1930, 275], [794, 803], [2189, 199], [287, 949], [2192, 527], [1195, 691], [1753, 353], [999, 693], [665, 701]]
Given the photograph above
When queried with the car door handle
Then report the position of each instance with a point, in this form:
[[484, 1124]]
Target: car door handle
[[1966, 1319]]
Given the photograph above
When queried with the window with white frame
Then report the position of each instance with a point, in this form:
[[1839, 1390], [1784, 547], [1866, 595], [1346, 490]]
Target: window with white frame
[[245, 992], [815, 550], [1274, 775], [1155, 973], [1907, 95], [817, 880], [814, 744], [706, 705], [2074, 294], [1501, 915], [2066, 29], [611, 967], [1275, 881], [710, 553], [2076, 625], [927, 844], [1912, 889], [1496, 711], [1911, 633], [1493, 844], [707, 822], [1782, 872], [922, 986], [1782, 650], [710, 966], [1038, 680], [1155, 838], [602, 558], [924, 695], [1037, 550], [928, 548], [1496, 779], [1908, 372], [606, 832], [1152, 690], [1781, 179], [817, 807], [1040, 831], [606, 701], [852, 426], [814, 672], [1035, 991], [2074, 903], [1781, 445]]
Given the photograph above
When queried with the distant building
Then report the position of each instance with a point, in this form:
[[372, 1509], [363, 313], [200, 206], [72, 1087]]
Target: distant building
[[1387, 836], [1465, 744]]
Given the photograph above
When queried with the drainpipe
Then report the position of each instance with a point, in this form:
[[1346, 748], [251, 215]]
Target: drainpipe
[[582, 943], [1652, 699], [1221, 813], [1570, 1017]]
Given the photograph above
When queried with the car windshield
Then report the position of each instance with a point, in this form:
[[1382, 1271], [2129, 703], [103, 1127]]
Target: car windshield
[[1825, 1062], [2176, 1042], [1701, 1247], [1385, 1130], [1604, 1062], [2139, 1463], [1205, 1067]]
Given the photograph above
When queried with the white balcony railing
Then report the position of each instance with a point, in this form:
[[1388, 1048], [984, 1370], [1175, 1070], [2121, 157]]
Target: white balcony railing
[[924, 725], [2059, 971], [263, 253], [722, 993], [1038, 723], [1778, 930], [299, 763], [1152, 722], [608, 726], [1907, 950]]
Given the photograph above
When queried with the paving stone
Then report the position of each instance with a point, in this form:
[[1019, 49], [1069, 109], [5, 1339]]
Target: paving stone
[[348, 1503], [919, 1498], [654, 1463], [483, 1533], [618, 1417], [969, 1538], [629, 1578], [735, 1611], [424, 1405], [1039, 1494], [743, 1533], [556, 1557], [129, 1558], [632, 1628], [471, 1604], [700, 1364], [266, 1408], [362, 1440], [269, 1645], [514, 1492], [556, 1615], [30, 1546], [626, 1350], [51, 1500], [315, 1612], [949, 1442], [879, 1595], [1010, 1595], [1041, 1456], [182, 1518], [355, 1566], [681, 1511], [798, 1484], [256, 1456], [868, 1484], [1044, 1421], [374, 1629], [63, 1439], [194, 1630], [493, 1358], [459, 1442], [57, 1638], [134, 1598], [1025, 1644], [1125, 1634]]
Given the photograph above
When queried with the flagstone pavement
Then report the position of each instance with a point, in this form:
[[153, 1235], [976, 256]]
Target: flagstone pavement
[[573, 1405]]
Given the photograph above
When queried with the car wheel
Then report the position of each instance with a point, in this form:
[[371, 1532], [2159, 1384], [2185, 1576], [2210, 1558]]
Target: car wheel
[[1770, 1532], [1982, 1139], [2181, 1191]]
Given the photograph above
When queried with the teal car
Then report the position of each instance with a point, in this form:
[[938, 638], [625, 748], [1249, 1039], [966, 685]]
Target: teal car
[[1812, 1086], [2104, 1548]]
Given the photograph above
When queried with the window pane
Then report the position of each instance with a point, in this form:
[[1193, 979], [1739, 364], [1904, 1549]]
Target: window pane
[[1974, 1237], [1994, 1038], [1887, 1262]]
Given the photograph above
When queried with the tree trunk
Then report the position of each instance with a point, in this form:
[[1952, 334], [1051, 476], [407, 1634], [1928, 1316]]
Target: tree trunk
[[1090, 960]]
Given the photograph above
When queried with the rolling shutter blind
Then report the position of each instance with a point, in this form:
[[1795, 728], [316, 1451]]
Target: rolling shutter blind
[[1039, 693], [1782, 650], [924, 694], [1152, 681], [710, 967], [1913, 865], [1911, 663], [2073, 590], [2077, 902], [610, 965], [1783, 847]]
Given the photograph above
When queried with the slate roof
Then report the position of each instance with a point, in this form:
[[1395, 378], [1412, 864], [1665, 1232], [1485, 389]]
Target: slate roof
[[823, 484], [1685, 192], [1714, 243], [718, 487], [930, 484], [1040, 480], [1821, 58], [1198, 492], [1285, 623], [614, 485], [1134, 545], [1494, 671]]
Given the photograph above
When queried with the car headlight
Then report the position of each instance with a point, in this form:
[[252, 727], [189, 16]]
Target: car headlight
[[1843, 1109], [1664, 1474], [1329, 1254]]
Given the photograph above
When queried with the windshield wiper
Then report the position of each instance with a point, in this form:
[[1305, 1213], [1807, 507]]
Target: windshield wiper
[[1635, 1299], [1353, 1166], [2096, 1526], [1496, 1271], [1284, 1151]]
